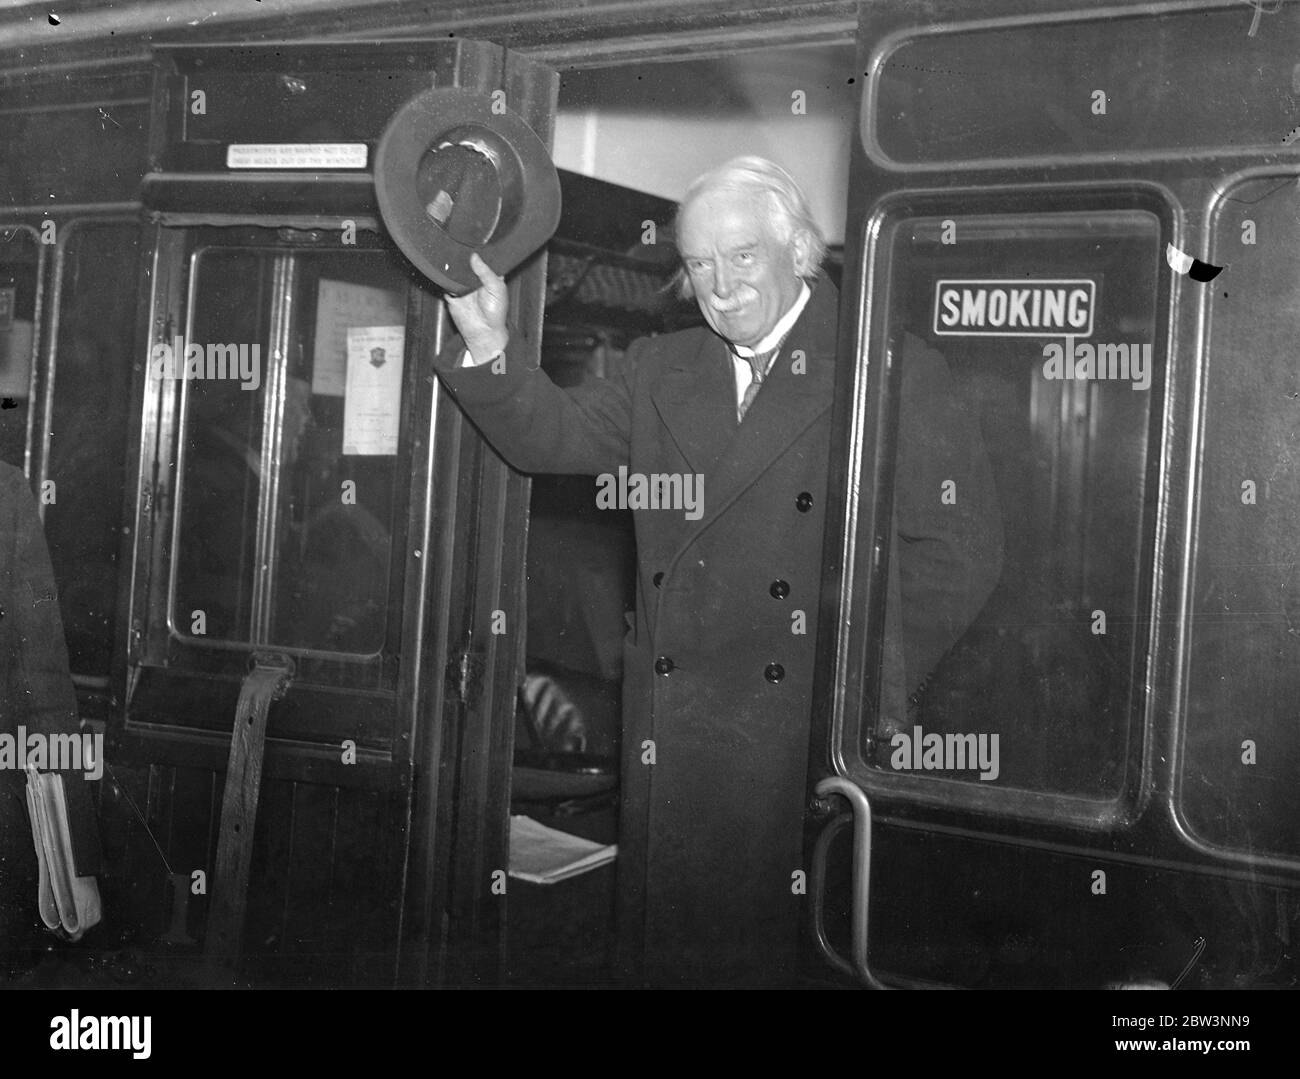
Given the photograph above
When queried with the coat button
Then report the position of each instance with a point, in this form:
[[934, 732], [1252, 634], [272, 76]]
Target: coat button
[[780, 589], [774, 672], [658, 579], [804, 502], [663, 665]]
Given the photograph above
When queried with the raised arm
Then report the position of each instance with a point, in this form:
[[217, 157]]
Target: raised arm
[[531, 422]]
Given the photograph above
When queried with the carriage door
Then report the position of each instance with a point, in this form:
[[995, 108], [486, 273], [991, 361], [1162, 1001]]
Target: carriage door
[[325, 556], [1021, 798]]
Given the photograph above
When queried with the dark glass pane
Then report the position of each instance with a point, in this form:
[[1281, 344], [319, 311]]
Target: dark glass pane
[[88, 432], [1241, 753], [1168, 83], [336, 495], [342, 485], [221, 464], [1039, 680]]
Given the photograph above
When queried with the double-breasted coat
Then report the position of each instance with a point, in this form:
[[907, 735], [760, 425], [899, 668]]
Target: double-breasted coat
[[718, 664]]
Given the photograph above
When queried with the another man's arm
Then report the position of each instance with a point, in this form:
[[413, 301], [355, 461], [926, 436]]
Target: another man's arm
[[531, 422], [50, 705]]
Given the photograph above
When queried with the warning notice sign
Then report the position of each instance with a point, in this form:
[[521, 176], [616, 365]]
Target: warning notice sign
[[1019, 308]]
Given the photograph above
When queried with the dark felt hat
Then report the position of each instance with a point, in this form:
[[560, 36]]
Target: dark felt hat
[[455, 173]]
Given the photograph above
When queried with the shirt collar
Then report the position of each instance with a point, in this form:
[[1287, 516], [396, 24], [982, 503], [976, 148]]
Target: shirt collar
[[783, 326]]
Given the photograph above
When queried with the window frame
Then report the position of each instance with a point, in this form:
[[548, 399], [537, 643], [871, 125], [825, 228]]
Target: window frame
[[359, 696], [127, 217], [902, 32], [39, 346], [862, 543], [1188, 833]]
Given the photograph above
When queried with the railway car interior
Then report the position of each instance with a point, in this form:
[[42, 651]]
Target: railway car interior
[[321, 542]]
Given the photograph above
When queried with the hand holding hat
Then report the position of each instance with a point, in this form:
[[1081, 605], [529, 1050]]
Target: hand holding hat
[[456, 177], [480, 316]]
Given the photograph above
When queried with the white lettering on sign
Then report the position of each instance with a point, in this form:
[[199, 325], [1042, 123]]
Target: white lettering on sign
[[296, 155], [1022, 308]]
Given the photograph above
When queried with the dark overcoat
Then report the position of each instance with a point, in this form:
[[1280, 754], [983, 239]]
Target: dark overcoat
[[36, 692], [719, 661]]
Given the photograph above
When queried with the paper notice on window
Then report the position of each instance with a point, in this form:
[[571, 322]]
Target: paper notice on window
[[372, 405], [341, 305], [296, 155], [16, 359]]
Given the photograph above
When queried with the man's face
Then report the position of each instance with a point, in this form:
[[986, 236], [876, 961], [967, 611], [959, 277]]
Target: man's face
[[744, 278]]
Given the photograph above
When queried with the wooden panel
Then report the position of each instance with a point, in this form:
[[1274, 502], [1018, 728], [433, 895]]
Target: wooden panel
[[271, 884], [311, 854], [189, 825], [366, 882], [136, 884], [86, 155], [324, 899]]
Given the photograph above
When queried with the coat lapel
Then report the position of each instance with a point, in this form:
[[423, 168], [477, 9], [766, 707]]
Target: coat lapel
[[696, 398], [785, 407]]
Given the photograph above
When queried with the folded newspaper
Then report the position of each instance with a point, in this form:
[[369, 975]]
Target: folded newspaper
[[545, 856], [67, 902]]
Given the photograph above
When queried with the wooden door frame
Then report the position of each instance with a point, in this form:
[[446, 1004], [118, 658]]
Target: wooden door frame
[[453, 921]]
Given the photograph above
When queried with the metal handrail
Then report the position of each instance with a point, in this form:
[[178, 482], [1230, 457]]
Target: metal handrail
[[820, 856], [861, 880]]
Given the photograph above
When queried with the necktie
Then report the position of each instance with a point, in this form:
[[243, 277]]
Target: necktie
[[758, 367]]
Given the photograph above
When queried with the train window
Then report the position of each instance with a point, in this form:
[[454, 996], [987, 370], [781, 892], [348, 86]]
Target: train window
[[944, 96], [91, 386], [290, 489], [981, 312], [22, 257], [1241, 747]]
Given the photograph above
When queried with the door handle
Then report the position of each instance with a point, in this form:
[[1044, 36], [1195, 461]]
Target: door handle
[[820, 855], [859, 919]]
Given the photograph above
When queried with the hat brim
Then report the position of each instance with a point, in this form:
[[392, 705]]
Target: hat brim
[[529, 185]]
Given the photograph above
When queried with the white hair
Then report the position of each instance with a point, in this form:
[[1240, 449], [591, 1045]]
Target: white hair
[[791, 213]]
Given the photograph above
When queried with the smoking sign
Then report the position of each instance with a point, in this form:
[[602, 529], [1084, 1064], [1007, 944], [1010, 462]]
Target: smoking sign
[[982, 307]]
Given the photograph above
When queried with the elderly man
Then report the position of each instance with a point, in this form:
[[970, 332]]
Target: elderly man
[[719, 664]]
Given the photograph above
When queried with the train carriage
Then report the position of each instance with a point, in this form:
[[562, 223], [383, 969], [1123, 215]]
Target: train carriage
[[336, 645]]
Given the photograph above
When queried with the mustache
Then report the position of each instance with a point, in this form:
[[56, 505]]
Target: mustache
[[736, 300]]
